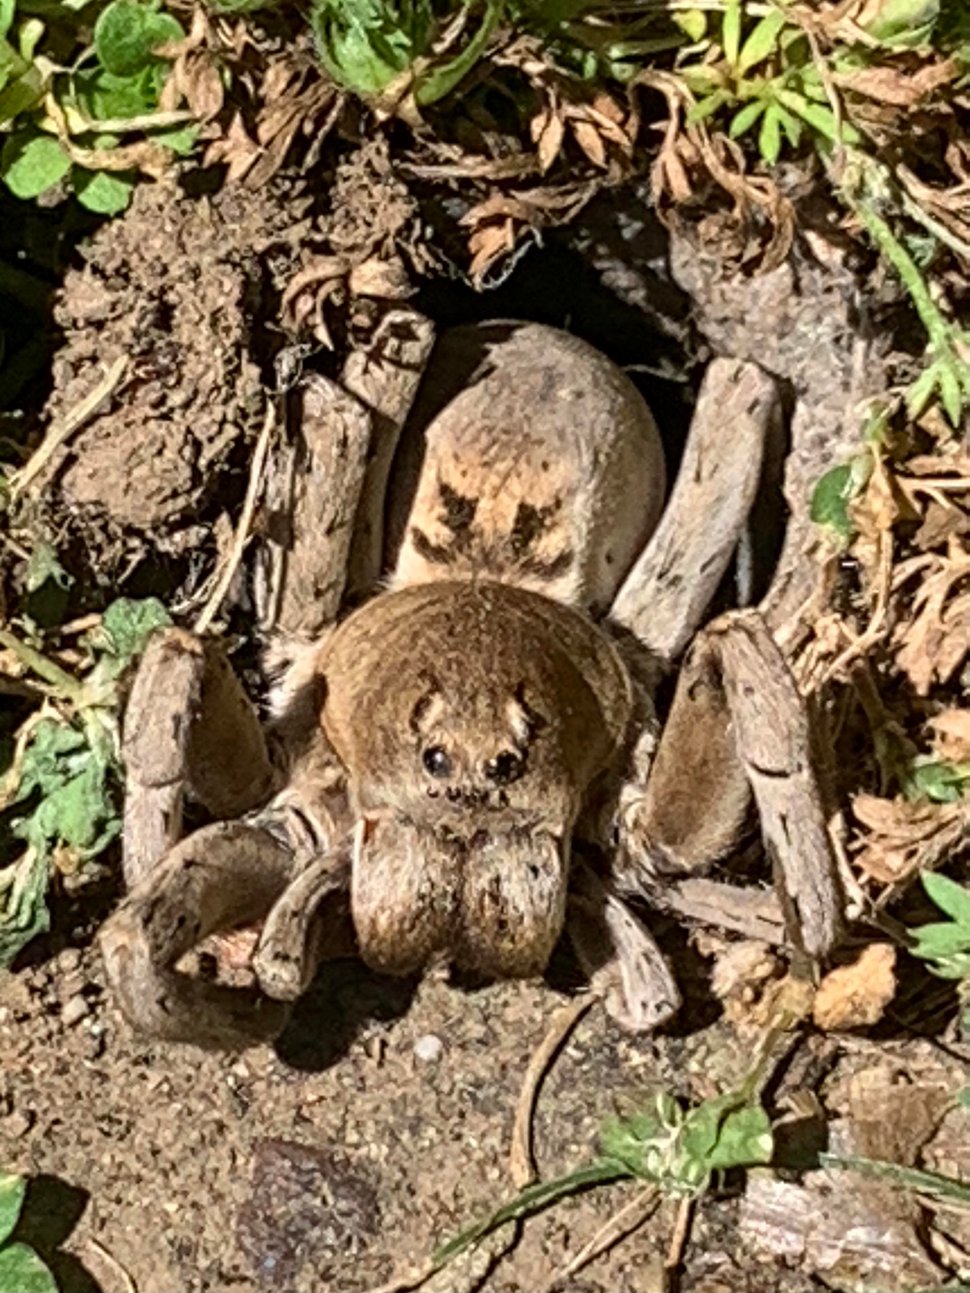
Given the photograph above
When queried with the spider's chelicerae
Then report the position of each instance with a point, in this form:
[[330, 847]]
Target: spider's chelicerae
[[468, 763]]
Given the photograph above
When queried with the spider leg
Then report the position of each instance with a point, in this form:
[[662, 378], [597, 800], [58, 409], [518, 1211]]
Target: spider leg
[[744, 722], [310, 922], [663, 599], [618, 954], [189, 726], [222, 876], [324, 500]]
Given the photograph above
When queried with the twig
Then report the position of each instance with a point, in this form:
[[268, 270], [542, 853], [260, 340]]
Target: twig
[[127, 1279], [522, 1166], [413, 1279], [217, 596], [147, 121], [76, 417], [621, 1224], [678, 1244]]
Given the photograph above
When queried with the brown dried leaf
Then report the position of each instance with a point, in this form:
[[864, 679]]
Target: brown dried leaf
[[235, 149], [855, 996], [590, 141], [933, 646], [902, 837], [889, 84], [201, 83], [951, 734], [940, 522], [550, 140], [488, 245]]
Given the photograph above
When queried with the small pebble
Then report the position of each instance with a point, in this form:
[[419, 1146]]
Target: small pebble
[[18, 1124], [69, 959], [428, 1049], [75, 1010]]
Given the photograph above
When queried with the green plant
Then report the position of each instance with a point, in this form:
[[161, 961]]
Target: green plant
[[674, 1149], [21, 1270], [60, 794], [373, 45], [80, 87], [945, 945]]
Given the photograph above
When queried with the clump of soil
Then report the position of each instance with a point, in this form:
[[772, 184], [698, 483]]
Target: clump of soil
[[185, 290]]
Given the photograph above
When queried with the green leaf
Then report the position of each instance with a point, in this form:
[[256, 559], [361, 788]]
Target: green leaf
[[43, 565], [23, 909], [731, 31], [22, 1271], [28, 38], [701, 79], [103, 94], [637, 1141], [744, 1140], [939, 780], [12, 1191], [951, 898], [181, 139], [921, 392], [941, 938], [66, 786], [530, 1200], [790, 125], [692, 22], [820, 117], [745, 117], [127, 33], [904, 23], [911, 1178], [441, 80], [32, 164], [951, 394], [834, 492], [129, 622], [7, 8], [762, 42], [707, 106], [769, 137], [104, 192]]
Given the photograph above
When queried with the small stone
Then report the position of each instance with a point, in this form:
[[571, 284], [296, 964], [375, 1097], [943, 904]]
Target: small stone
[[18, 1124], [69, 959], [428, 1048], [75, 1009]]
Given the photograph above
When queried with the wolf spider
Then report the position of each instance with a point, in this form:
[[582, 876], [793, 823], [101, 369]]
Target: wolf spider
[[469, 763]]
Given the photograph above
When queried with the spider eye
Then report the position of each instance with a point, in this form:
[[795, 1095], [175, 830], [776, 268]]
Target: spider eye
[[505, 767], [436, 761]]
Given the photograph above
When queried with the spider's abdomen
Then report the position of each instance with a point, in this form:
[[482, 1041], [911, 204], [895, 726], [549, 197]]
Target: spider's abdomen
[[545, 470]]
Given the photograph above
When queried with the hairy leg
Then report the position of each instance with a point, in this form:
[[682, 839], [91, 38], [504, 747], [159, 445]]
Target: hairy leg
[[663, 599], [188, 727], [619, 955], [222, 876], [738, 720]]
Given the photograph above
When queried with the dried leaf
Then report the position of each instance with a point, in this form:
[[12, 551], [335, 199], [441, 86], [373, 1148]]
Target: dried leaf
[[951, 734], [549, 142], [890, 84], [903, 837], [590, 141], [855, 996]]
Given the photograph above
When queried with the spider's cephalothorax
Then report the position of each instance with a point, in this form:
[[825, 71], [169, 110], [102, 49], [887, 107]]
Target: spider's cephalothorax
[[484, 709]]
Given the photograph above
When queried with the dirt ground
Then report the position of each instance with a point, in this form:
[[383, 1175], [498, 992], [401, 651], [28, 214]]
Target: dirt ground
[[380, 1124]]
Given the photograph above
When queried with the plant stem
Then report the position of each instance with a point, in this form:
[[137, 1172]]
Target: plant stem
[[67, 687], [907, 269]]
